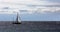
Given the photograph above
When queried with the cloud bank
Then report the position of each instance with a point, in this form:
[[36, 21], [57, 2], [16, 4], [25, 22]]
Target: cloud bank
[[30, 6]]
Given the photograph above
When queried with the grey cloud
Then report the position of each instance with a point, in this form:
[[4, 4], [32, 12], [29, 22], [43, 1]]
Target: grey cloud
[[43, 5], [23, 10], [58, 1], [50, 0]]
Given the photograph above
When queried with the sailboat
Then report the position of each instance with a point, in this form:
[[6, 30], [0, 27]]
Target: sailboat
[[18, 20]]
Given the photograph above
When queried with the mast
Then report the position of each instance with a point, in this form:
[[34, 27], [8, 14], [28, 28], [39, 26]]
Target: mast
[[17, 17]]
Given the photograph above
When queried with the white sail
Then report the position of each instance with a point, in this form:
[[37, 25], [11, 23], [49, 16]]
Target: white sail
[[19, 20]]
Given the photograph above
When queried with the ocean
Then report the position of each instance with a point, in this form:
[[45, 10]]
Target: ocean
[[30, 26]]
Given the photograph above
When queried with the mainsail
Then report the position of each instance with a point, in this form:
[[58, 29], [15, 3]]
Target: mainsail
[[18, 18]]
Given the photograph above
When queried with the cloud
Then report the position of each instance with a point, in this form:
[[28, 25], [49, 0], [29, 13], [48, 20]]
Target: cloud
[[48, 10], [55, 1], [32, 6]]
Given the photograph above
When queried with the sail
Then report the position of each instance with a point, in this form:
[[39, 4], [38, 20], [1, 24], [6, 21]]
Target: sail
[[18, 18]]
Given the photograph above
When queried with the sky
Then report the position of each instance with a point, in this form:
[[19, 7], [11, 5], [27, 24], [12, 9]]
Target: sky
[[30, 10]]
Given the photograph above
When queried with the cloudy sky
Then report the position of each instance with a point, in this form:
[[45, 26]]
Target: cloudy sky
[[30, 10]]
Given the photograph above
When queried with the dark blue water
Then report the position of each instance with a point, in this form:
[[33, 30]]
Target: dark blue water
[[30, 26]]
